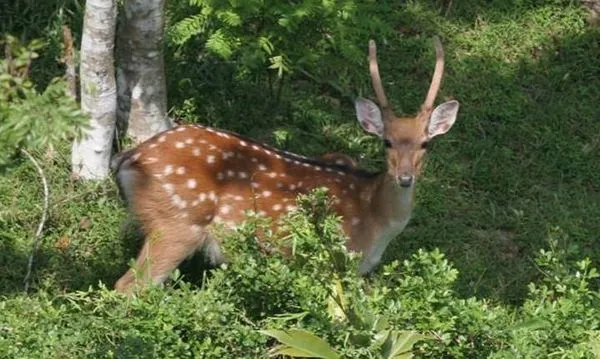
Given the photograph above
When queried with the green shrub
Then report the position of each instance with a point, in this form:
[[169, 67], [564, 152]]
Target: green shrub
[[29, 118]]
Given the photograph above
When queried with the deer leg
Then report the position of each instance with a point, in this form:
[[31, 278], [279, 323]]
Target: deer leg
[[213, 255], [167, 244]]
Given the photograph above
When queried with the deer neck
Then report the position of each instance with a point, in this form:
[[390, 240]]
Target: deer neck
[[392, 203], [390, 210]]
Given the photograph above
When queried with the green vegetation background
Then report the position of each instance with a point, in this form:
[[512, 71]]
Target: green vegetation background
[[518, 173]]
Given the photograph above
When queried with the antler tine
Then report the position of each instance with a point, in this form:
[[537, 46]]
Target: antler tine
[[375, 79], [436, 80]]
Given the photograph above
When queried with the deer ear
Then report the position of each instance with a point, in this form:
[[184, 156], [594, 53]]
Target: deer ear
[[369, 116], [442, 118]]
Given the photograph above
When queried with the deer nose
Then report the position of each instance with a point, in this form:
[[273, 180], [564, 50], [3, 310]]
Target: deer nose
[[406, 180]]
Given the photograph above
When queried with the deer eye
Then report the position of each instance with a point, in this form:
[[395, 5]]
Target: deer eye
[[387, 143], [425, 145]]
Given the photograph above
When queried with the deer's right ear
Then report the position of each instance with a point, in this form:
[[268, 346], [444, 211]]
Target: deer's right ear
[[369, 116]]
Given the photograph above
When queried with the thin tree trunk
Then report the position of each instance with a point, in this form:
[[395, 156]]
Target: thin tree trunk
[[140, 70], [91, 156]]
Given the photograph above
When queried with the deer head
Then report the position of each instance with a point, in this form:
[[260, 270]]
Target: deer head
[[406, 138]]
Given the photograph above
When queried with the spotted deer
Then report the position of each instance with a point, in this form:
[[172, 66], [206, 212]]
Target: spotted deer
[[183, 181]]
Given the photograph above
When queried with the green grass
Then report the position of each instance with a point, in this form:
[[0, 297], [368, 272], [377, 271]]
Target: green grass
[[520, 165]]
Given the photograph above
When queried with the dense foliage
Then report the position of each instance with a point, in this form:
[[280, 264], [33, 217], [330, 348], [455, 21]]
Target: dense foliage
[[498, 261]]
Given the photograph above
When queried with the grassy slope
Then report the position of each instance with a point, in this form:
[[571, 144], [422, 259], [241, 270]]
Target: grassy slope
[[520, 165]]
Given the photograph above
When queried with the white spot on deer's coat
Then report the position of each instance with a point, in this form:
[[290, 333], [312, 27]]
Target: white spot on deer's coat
[[255, 185], [208, 217], [180, 129], [292, 187], [289, 207], [242, 174], [168, 170], [225, 209], [212, 196], [243, 143], [151, 160], [178, 201], [255, 147], [169, 188], [254, 159], [210, 159], [317, 168], [262, 167], [352, 186], [266, 193], [180, 170], [179, 144], [196, 151], [191, 183], [238, 198], [189, 141], [355, 221], [272, 174], [220, 176], [152, 145], [202, 197], [162, 138], [277, 207], [230, 173]]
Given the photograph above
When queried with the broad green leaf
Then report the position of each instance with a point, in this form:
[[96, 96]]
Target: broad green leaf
[[302, 343], [398, 344]]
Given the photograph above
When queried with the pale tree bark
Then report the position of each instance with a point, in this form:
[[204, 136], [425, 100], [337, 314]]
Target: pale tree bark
[[140, 70], [91, 156]]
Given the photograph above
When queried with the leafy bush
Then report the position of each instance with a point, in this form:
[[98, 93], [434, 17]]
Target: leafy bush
[[29, 118], [312, 303]]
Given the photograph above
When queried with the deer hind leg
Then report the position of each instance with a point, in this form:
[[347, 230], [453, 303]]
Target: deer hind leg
[[170, 236], [166, 245]]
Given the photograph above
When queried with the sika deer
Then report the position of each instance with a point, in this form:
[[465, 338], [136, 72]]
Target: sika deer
[[182, 181]]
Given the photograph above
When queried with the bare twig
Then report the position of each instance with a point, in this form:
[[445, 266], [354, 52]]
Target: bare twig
[[38, 233]]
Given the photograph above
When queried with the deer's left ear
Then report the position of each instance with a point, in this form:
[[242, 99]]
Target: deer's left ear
[[442, 118]]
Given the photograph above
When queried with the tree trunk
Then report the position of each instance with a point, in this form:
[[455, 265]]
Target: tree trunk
[[91, 156], [140, 70]]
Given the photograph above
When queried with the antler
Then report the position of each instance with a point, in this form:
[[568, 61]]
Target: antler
[[374, 69], [437, 74]]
